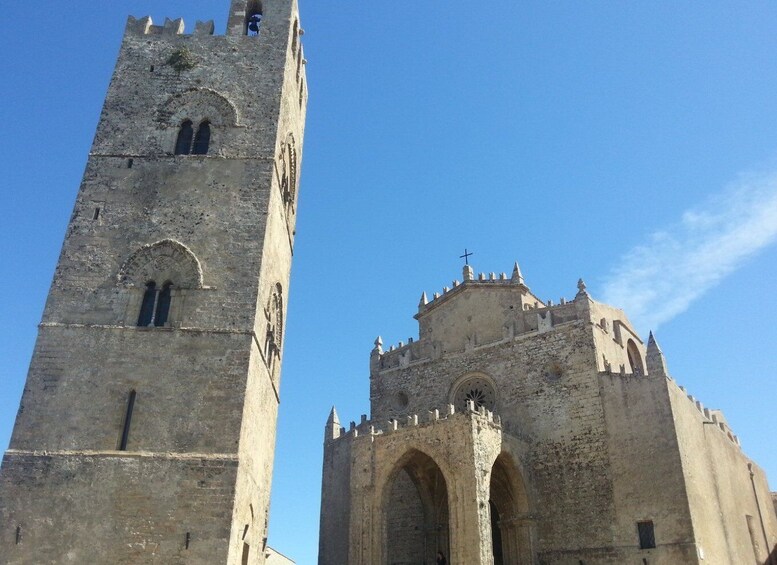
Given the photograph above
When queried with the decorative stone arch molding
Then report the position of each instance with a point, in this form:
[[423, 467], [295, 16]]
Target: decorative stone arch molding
[[199, 104], [165, 260], [476, 386], [287, 165]]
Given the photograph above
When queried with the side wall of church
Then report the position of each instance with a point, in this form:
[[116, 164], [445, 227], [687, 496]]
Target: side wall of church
[[645, 469], [731, 510]]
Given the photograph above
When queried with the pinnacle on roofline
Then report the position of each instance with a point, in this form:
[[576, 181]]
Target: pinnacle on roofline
[[333, 417], [517, 277]]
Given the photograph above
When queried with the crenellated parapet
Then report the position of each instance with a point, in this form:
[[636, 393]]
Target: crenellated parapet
[[374, 428], [145, 26], [712, 417], [498, 308]]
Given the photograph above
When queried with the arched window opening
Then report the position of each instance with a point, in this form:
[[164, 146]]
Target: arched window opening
[[253, 18], [149, 303], [163, 305], [155, 308], [416, 515], [479, 389], [635, 358], [202, 140], [183, 144]]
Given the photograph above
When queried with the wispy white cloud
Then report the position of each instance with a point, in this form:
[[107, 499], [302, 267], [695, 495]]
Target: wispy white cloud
[[658, 280]]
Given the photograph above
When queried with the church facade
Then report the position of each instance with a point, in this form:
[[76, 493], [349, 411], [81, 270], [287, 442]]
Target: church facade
[[146, 430], [515, 431]]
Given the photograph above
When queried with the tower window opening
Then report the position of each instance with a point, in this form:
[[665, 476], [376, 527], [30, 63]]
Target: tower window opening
[[96, 215], [127, 421], [148, 306], [18, 535], [130, 162], [253, 18], [183, 144], [152, 68], [155, 308], [647, 536], [635, 358], [187, 540], [202, 139]]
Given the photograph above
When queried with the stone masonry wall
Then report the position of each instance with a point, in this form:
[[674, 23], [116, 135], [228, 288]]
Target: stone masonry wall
[[125, 504]]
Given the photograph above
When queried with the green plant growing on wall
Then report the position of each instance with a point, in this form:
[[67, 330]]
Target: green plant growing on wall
[[182, 60]]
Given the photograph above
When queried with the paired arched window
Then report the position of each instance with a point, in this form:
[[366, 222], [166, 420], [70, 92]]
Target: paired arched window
[[253, 18], [155, 308], [190, 144]]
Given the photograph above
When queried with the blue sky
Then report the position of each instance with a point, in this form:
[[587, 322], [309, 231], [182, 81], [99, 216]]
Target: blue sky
[[632, 145]]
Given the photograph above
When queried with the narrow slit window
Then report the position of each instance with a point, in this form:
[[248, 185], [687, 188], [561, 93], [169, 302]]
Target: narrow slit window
[[202, 140], [647, 536], [127, 421], [183, 144], [130, 162], [146, 316], [96, 215], [18, 535]]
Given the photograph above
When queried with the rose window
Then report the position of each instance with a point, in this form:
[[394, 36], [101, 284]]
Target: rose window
[[477, 389]]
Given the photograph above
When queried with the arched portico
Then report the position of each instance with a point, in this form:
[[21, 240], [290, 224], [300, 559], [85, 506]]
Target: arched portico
[[415, 511], [509, 505]]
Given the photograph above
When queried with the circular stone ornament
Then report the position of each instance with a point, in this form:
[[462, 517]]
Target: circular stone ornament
[[401, 400]]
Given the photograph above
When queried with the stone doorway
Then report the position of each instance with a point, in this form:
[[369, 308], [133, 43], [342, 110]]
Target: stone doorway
[[416, 512]]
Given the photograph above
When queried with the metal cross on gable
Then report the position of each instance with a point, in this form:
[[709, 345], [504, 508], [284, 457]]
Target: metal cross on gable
[[466, 256]]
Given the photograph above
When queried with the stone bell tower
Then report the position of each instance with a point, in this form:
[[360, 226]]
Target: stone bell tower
[[146, 430]]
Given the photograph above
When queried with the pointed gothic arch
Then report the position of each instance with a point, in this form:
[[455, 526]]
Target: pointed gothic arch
[[509, 506], [167, 260], [415, 511]]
